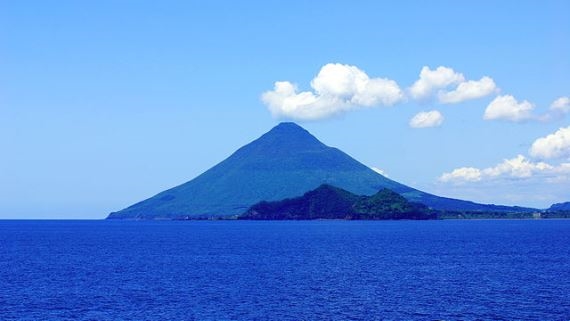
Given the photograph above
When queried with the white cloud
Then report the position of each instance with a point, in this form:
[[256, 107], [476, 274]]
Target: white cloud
[[519, 167], [427, 119], [515, 168], [508, 108], [433, 80], [337, 88], [461, 175], [439, 79], [556, 145], [379, 171], [539, 191], [467, 90], [558, 109], [561, 105], [518, 180]]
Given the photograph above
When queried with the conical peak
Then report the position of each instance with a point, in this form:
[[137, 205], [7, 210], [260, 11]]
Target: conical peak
[[289, 124], [288, 128], [288, 135]]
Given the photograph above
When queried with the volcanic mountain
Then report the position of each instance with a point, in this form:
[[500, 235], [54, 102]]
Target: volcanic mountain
[[285, 162]]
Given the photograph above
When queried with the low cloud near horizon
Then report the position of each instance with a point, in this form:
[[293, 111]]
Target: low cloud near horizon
[[555, 146], [518, 167], [523, 181]]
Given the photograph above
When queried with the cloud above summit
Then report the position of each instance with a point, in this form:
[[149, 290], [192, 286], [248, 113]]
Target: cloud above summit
[[337, 88], [341, 88]]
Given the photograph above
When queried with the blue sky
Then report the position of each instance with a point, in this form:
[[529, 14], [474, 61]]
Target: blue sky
[[106, 103]]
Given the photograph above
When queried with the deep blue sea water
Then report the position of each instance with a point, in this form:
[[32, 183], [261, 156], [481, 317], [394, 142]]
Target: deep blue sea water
[[318, 270]]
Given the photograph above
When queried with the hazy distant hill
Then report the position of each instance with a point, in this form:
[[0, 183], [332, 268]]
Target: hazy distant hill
[[285, 162], [329, 202], [559, 210], [560, 207]]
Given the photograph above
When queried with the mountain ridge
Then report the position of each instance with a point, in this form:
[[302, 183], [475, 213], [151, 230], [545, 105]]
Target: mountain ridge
[[564, 206]]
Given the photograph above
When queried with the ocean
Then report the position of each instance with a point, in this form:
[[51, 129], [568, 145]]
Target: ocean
[[285, 270]]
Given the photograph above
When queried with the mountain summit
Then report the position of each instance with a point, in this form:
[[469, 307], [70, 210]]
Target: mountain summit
[[283, 163]]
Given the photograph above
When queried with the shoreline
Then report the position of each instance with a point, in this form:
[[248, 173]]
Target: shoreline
[[245, 220]]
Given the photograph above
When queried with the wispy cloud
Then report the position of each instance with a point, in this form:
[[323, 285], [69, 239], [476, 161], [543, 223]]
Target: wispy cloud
[[559, 108], [426, 119], [561, 104]]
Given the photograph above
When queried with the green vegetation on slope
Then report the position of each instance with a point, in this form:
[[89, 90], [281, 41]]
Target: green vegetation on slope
[[329, 202]]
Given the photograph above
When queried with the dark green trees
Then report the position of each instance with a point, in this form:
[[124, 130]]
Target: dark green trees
[[329, 202]]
